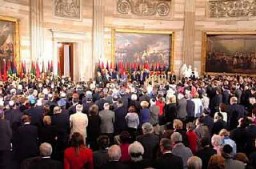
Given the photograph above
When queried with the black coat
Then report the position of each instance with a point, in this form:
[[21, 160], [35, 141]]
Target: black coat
[[14, 116], [46, 163], [170, 112], [235, 112], [115, 165], [120, 122], [36, 114], [168, 161], [150, 143], [205, 155], [25, 142], [6, 135], [140, 164]]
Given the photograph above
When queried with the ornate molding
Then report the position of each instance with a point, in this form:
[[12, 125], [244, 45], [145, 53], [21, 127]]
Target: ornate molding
[[232, 8], [144, 7], [70, 9]]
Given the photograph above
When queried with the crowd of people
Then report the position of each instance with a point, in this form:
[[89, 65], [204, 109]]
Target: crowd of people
[[194, 123]]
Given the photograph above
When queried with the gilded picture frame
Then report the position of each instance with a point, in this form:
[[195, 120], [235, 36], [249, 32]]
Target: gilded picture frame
[[9, 39], [229, 53], [139, 42]]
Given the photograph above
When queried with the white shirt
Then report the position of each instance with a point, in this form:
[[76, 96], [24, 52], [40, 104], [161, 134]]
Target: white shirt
[[78, 123], [198, 107]]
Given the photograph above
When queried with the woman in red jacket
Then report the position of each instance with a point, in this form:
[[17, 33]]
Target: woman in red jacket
[[78, 156]]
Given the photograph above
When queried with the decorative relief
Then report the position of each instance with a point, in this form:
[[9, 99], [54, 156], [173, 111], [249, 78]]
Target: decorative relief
[[232, 8], [67, 8], [144, 7]]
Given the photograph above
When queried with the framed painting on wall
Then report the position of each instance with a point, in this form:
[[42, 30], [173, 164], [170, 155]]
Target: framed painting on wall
[[143, 47], [229, 52], [9, 39]]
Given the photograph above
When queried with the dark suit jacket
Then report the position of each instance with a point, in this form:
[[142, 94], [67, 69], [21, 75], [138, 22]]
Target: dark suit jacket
[[25, 142], [14, 116], [36, 114], [150, 143], [115, 165], [46, 163], [168, 161], [205, 154], [235, 112], [6, 135], [120, 122]]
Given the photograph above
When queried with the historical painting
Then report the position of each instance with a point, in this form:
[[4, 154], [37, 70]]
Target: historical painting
[[143, 47], [9, 39], [70, 9], [230, 53]]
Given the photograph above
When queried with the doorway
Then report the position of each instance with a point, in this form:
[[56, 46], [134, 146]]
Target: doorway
[[66, 58]]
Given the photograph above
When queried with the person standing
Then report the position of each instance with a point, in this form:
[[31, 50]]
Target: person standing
[[79, 122], [107, 118]]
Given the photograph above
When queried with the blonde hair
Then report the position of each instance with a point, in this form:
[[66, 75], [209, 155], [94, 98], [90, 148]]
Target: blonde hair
[[177, 124], [144, 104], [47, 120], [224, 133], [173, 99]]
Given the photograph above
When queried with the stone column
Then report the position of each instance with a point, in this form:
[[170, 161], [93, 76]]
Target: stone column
[[98, 30], [36, 35], [189, 32]]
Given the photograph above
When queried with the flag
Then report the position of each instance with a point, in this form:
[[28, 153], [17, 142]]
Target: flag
[[9, 68], [33, 69], [107, 66], [116, 67], [37, 70], [14, 67], [102, 66], [59, 70], [43, 68], [5, 76], [51, 66]]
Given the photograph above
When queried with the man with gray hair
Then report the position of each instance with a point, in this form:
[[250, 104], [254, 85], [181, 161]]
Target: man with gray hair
[[107, 118], [79, 122], [114, 154], [46, 162], [149, 141], [179, 148]]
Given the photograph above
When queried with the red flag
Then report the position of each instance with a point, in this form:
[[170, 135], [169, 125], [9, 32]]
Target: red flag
[[102, 65], [51, 66], [5, 76], [37, 70], [59, 70]]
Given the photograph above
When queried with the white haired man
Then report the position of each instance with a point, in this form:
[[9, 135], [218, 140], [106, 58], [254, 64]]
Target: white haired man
[[46, 161], [114, 154], [79, 121], [149, 141], [179, 149]]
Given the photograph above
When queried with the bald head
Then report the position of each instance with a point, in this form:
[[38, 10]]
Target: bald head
[[114, 153]]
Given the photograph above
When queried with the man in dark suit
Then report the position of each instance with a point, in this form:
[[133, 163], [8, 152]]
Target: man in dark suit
[[60, 120], [120, 113], [46, 162], [25, 140], [13, 115], [36, 113], [5, 141], [235, 112], [149, 141], [168, 160]]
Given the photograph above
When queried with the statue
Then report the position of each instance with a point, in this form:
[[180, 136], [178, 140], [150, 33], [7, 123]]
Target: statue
[[188, 72], [183, 70]]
